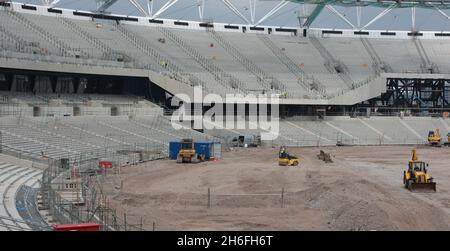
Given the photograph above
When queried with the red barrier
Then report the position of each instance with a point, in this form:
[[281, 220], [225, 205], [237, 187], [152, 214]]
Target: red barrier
[[105, 164], [77, 227]]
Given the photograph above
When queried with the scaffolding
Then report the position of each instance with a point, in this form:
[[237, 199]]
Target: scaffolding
[[90, 204]]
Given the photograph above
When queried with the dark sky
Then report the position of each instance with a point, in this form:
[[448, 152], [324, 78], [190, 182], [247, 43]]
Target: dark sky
[[398, 19]]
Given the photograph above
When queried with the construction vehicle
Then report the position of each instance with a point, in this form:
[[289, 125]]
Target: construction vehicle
[[448, 140], [416, 178], [187, 153], [434, 138], [285, 159]]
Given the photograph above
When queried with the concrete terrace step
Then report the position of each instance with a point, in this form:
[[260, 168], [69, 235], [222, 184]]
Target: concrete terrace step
[[12, 177]]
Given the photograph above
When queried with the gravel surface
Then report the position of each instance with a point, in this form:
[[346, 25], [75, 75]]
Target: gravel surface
[[361, 190]]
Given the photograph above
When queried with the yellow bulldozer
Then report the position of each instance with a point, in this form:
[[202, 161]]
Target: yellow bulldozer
[[434, 138], [416, 178], [285, 159], [187, 153]]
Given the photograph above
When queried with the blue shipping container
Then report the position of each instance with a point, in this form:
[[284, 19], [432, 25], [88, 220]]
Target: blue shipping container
[[201, 147], [174, 149], [205, 148]]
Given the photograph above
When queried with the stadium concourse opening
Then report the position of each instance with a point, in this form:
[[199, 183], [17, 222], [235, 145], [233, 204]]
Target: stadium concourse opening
[[52, 84]]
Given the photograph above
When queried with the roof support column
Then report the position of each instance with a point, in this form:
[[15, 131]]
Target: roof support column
[[273, 11], [105, 4], [139, 7], [201, 8], [358, 16], [311, 17], [382, 14], [235, 10], [338, 14], [165, 7], [150, 7]]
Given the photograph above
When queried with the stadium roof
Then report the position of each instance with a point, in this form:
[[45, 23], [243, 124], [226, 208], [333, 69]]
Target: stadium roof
[[381, 3], [339, 14]]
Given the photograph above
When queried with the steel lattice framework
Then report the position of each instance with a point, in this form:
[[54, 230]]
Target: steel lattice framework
[[306, 17], [415, 92], [380, 3]]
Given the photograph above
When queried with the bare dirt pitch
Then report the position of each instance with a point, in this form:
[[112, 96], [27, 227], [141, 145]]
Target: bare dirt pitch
[[361, 190]]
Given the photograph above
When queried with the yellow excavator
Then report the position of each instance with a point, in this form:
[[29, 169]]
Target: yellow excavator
[[434, 138], [187, 153], [285, 159], [416, 178]]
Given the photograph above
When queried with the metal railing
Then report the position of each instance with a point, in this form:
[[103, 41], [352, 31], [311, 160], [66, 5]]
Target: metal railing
[[165, 64], [62, 47], [427, 66], [52, 58], [225, 79], [356, 85], [91, 204], [19, 44], [331, 63], [67, 145], [378, 64], [293, 67], [109, 53], [266, 81]]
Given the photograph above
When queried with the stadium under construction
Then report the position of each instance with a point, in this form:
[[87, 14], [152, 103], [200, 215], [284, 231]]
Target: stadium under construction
[[92, 135]]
